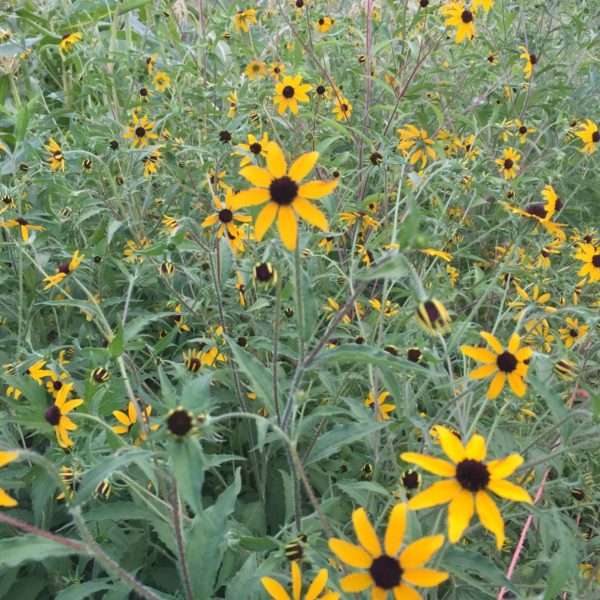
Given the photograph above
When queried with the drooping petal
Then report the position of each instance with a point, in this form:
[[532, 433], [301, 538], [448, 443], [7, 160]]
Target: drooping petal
[[296, 580], [508, 490], [311, 214], [394, 533], [496, 385], [460, 512], [313, 190], [365, 533], [478, 354], [6, 500], [451, 445], [405, 592], [7, 457], [257, 176], [303, 165], [504, 467], [418, 553], [275, 160], [274, 589], [351, 554], [490, 516], [483, 371], [251, 197], [493, 341], [476, 448], [288, 227], [517, 384], [437, 466], [317, 586], [357, 582], [132, 412], [265, 219], [440, 492], [425, 577], [120, 429]]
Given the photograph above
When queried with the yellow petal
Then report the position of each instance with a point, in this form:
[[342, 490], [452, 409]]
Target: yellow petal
[[310, 213], [478, 354], [378, 593], [296, 581], [303, 165], [405, 592], [517, 384], [7, 457], [357, 582], [6, 500], [265, 219], [131, 412], [451, 445], [524, 354], [288, 227], [352, 555], [490, 516], [251, 197], [317, 586], [483, 372], [504, 467], [508, 490], [395, 530], [460, 512], [120, 429], [121, 417], [365, 533], [67, 407], [275, 160], [67, 424], [257, 176], [476, 448], [496, 385], [274, 589], [419, 552], [425, 577], [514, 343], [493, 341], [440, 492], [314, 190], [437, 466]]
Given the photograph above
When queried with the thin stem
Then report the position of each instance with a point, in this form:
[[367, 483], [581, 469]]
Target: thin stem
[[177, 526]]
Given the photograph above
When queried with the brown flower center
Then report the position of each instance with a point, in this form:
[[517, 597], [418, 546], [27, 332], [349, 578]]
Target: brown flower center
[[53, 415], [179, 422], [596, 261], [472, 475], [508, 164], [262, 272], [283, 190], [288, 91], [140, 132], [467, 16], [225, 216], [507, 362], [596, 136], [255, 148], [386, 572]]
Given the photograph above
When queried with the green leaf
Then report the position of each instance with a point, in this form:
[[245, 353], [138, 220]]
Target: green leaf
[[188, 467], [81, 591], [26, 548], [117, 344], [258, 544], [390, 268]]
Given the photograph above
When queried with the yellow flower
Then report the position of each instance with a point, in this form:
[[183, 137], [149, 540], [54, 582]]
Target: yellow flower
[[132, 248], [565, 369], [6, 458], [453, 274], [459, 17], [161, 81], [243, 19], [56, 415], [573, 332], [523, 130], [487, 4], [378, 405], [56, 159], [69, 40], [590, 136], [277, 70], [388, 308], [590, 256], [503, 364], [388, 570], [315, 589], [509, 163], [253, 149], [433, 317], [37, 371], [530, 61], [289, 92], [324, 24], [256, 69], [438, 253], [64, 269], [150, 62], [536, 297], [140, 131], [232, 98], [468, 481], [285, 197], [342, 108], [151, 162], [416, 144], [129, 419]]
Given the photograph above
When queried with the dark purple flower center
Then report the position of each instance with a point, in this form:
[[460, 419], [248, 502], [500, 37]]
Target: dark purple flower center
[[225, 216], [507, 362], [140, 132], [288, 91], [386, 572], [472, 475], [596, 136], [596, 261], [179, 422], [508, 164], [467, 16], [255, 148], [283, 190], [53, 415]]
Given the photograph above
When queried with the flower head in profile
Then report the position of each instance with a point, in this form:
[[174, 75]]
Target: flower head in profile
[[25, 227], [56, 160], [589, 255], [589, 134], [457, 15], [324, 24], [391, 569], [128, 419], [501, 364], [314, 591], [468, 481], [530, 61], [379, 406], [64, 269], [56, 415], [284, 196], [509, 163], [68, 40], [289, 91], [415, 144], [433, 317], [7, 501], [243, 19], [151, 162], [140, 131]]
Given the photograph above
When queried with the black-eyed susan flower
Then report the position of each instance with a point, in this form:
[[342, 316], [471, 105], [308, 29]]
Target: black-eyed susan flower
[[388, 570], [589, 134], [254, 148], [411, 481], [68, 40], [324, 24], [180, 422], [572, 332], [150, 62], [56, 415], [433, 317], [501, 364], [535, 297], [523, 130], [509, 163], [276, 70], [161, 81], [151, 162], [56, 160], [289, 91], [167, 269], [457, 15], [467, 485], [486, 4], [285, 196], [132, 250], [387, 308], [38, 371], [232, 98], [64, 270], [256, 69], [530, 61], [243, 19], [7, 501], [332, 308], [140, 131], [180, 320], [446, 256], [379, 405], [100, 375], [538, 334], [565, 369], [415, 144], [192, 359], [128, 419], [589, 255], [544, 258], [316, 589], [342, 108]]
